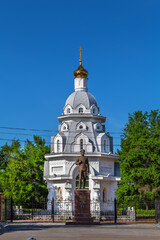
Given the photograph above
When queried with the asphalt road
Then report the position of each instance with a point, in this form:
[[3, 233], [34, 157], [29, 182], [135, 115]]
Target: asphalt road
[[48, 231]]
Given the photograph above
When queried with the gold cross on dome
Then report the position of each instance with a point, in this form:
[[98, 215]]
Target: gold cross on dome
[[80, 55]]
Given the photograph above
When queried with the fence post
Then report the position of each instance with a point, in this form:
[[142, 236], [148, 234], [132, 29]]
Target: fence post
[[115, 210], [156, 210], [11, 209], [52, 209], [135, 211], [32, 208], [1, 207], [5, 207]]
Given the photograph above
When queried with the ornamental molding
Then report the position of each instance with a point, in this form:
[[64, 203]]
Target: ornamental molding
[[84, 127]]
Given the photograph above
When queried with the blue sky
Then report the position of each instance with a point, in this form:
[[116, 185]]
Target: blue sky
[[39, 44]]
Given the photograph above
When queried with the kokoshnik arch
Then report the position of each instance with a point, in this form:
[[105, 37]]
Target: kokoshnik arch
[[81, 127]]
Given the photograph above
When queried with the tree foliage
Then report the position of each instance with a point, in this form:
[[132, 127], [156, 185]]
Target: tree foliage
[[21, 175], [140, 157]]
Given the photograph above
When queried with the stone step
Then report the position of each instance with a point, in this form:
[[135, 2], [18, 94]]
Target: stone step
[[85, 219], [82, 223]]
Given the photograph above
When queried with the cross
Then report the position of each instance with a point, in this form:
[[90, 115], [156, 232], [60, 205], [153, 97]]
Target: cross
[[80, 58]]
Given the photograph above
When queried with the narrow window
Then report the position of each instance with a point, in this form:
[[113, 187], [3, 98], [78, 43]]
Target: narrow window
[[58, 146], [94, 111], [81, 144], [104, 145], [59, 194], [80, 110], [68, 110], [104, 195]]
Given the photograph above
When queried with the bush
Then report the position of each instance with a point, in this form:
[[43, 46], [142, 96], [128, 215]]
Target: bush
[[142, 212]]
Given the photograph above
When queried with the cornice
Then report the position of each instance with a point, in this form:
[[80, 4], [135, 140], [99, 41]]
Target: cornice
[[82, 116], [69, 155]]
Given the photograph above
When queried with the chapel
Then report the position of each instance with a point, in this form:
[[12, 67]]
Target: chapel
[[81, 127]]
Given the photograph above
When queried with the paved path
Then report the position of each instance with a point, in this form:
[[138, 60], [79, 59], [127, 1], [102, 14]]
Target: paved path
[[49, 231]]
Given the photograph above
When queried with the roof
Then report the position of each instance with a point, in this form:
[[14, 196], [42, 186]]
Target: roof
[[81, 97]]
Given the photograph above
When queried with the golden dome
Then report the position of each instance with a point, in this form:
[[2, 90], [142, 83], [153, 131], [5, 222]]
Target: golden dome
[[80, 71]]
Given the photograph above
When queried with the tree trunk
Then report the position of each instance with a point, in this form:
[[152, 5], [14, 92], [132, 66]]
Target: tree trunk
[[146, 204]]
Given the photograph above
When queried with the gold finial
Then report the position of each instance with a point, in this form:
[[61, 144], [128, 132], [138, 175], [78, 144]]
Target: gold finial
[[80, 56], [80, 72]]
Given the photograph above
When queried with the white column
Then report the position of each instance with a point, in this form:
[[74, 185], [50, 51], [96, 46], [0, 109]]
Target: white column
[[80, 84]]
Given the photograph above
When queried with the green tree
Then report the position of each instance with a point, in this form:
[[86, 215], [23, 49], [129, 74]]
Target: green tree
[[33, 154], [8, 153], [22, 177], [140, 157]]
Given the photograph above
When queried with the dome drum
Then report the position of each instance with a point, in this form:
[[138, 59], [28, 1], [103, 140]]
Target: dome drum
[[81, 97], [81, 109]]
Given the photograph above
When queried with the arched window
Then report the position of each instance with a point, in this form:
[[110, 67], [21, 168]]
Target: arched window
[[81, 126], [104, 195], [104, 145], [81, 144], [68, 110], [80, 110], [59, 194], [58, 146], [94, 110]]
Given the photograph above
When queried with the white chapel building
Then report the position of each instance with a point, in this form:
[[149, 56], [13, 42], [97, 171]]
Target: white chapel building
[[81, 127]]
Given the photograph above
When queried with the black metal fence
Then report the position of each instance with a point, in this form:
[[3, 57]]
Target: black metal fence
[[54, 211], [126, 211], [7, 210], [27, 211], [63, 210], [146, 210], [110, 211], [142, 210], [157, 209]]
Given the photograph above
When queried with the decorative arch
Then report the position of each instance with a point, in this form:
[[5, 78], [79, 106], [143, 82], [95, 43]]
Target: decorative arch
[[64, 127], [98, 127], [67, 109], [80, 108], [87, 145], [58, 143], [81, 126], [103, 142], [74, 170], [94, 109]]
